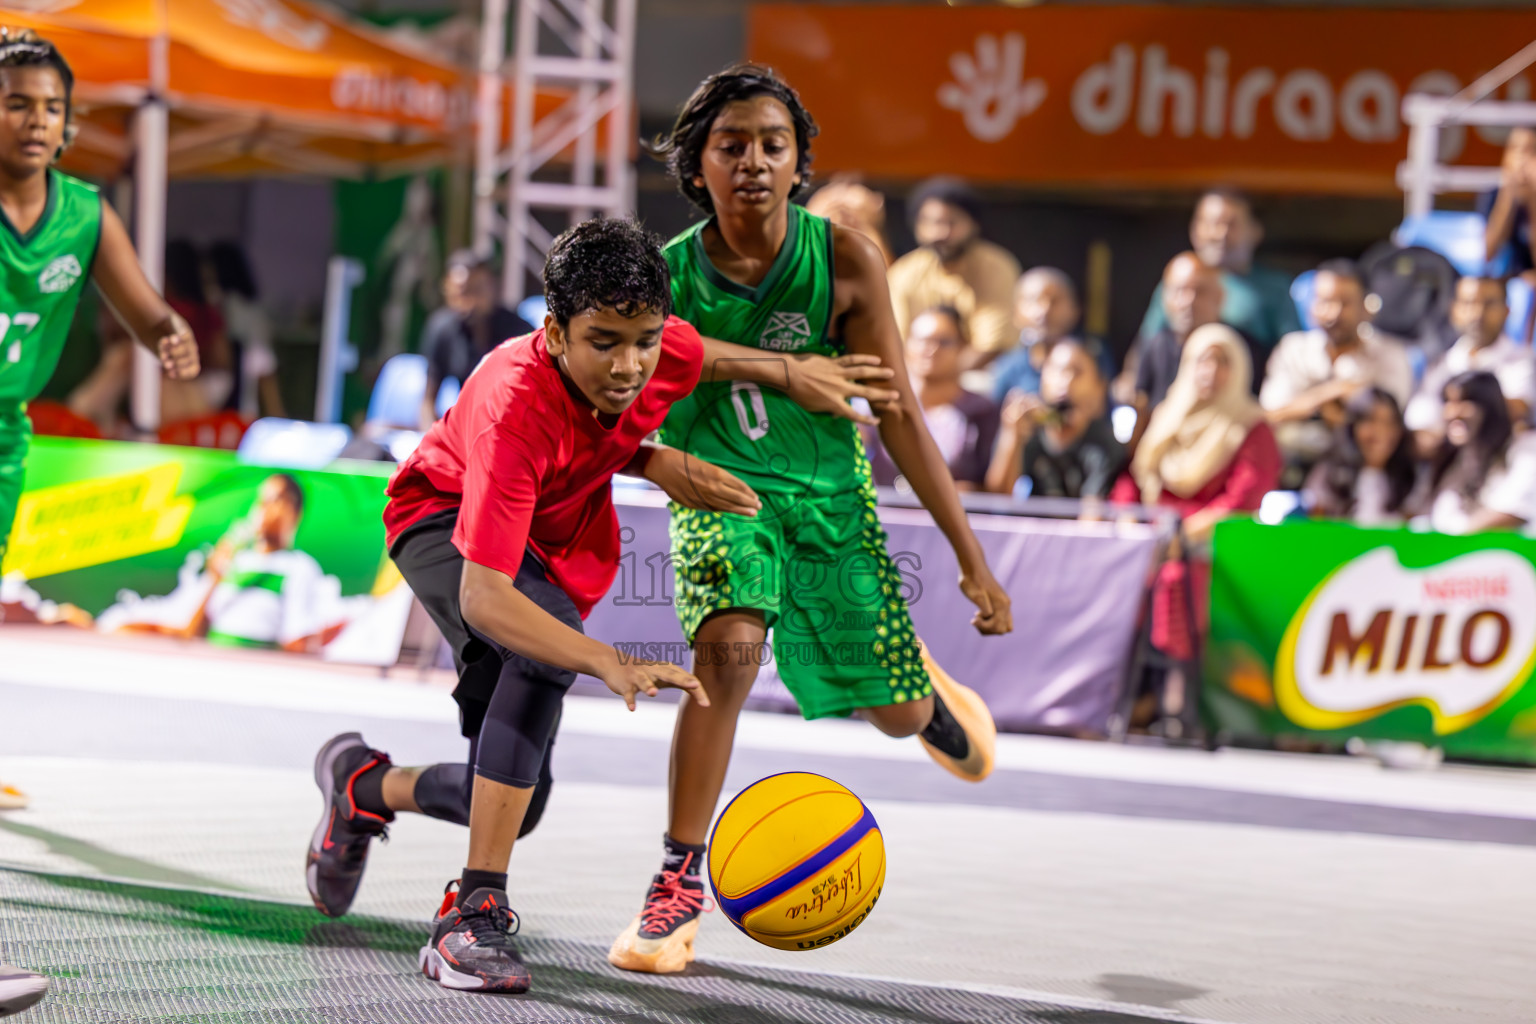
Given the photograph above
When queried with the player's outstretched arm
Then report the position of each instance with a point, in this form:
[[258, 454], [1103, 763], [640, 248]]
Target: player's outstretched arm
[[492, 604], [694, 483], [815, 382], [869, 326], [148, 317]]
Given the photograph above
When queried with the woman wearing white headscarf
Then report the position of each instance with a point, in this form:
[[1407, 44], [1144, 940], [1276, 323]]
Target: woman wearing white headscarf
[[1207, 453]]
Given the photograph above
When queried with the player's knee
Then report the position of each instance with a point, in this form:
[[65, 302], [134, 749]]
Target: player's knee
[[900, 720], [728, 650]]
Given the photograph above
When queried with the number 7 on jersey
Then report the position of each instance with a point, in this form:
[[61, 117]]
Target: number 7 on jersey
[[27, 320]]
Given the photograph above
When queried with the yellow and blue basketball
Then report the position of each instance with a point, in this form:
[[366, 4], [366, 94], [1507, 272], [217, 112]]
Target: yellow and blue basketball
[[796, 861]]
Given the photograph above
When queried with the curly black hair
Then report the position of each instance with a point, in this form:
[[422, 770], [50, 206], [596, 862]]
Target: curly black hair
[[26, 49], [683, 147], [606, 263]]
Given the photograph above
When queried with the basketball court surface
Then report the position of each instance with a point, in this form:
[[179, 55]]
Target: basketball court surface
[[158, 874]]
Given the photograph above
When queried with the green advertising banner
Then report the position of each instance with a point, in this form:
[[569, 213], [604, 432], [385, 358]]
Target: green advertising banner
[[1332, 631], [122, 537]]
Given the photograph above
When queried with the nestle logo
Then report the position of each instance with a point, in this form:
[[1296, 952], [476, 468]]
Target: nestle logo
[[1466, 588]]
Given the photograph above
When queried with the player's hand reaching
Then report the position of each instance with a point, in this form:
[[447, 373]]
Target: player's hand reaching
[[994, 609], [820, 384], [694, 483], [630, 676], [177, 349]]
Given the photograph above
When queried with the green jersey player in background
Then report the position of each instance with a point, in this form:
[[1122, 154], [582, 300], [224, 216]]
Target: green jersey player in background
[[812, 566], [55, 232]]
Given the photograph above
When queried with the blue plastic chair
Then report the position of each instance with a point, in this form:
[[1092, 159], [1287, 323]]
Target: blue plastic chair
[[1456, 235], [1520, 297], [533, 310], [447, 394], [1302, 291], [292, 444], [1418, 361], [397, 394]]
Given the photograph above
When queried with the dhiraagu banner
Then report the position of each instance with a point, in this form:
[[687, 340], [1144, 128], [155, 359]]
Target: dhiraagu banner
[[1334, 631], [190, 542]]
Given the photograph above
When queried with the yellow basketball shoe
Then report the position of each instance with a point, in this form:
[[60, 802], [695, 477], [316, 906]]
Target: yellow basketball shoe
[[660, 939], [962, 737], [12, 799]]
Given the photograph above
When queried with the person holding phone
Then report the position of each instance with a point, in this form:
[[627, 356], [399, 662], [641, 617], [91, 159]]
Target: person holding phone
[[1060, 440]]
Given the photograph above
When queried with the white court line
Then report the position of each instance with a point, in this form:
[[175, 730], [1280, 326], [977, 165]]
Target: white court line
[[280, 682], [1001, 991]]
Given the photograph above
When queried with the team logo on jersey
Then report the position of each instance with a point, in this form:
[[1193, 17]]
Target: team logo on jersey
[[786, 332], [60, 275]]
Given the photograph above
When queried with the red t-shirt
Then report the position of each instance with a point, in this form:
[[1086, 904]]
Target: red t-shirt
[[529, 467]]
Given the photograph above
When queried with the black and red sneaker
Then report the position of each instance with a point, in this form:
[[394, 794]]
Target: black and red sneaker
[[338, 851], [660, 939], [471, 946]]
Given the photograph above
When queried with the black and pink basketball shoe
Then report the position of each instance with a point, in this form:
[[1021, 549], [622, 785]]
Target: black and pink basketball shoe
[[338, 850]]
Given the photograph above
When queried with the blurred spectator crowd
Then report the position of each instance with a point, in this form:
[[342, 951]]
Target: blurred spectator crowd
[[1396, 389], [1391, 389]]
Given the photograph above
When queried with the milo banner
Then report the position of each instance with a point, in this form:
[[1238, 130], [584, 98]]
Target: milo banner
[[1335, 631], [188, 542]]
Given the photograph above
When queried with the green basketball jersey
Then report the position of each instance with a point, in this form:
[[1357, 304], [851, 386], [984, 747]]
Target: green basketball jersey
[[759, 433], [42, 274]]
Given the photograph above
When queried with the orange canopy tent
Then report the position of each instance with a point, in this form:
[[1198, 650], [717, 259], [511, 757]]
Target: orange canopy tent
[[238, 87], [253, 85]]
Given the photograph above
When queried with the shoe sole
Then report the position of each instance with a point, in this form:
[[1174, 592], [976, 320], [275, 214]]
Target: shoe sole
[[439, 970], [325, 779], [21, 993], [670, 955], [972, 714]]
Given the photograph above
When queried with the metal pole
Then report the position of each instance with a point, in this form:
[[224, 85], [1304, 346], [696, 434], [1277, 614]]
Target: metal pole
[[619, 174], [151, 131], [584, 170], [1423, 152], [524, 84], [337, 356], [493, 52]]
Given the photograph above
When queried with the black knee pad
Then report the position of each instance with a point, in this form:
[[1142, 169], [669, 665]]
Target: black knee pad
[[443, 791], [541, 791]]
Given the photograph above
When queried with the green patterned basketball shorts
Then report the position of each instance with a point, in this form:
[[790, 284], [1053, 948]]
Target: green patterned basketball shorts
[[15, 438], [820, 574], [10, 497]]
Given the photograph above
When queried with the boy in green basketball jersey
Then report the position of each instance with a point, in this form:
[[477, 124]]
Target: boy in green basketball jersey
[[54, 233], [812, 566]]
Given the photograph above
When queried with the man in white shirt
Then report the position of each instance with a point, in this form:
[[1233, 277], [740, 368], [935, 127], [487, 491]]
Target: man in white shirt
[[1313, 373], [256, 589], [1479, 313]]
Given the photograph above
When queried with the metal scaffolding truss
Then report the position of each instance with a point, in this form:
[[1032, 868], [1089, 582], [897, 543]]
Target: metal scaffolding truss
[[1423, 175], [581, 51]]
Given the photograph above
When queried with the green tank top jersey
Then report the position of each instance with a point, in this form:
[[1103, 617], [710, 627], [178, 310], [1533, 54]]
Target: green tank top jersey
[[42, 274], [759, 433]]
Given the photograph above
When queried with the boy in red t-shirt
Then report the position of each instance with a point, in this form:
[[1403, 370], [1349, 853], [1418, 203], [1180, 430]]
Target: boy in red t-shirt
[[502, 523]]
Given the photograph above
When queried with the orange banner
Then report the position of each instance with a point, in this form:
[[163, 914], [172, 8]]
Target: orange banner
[[287, 58], [1282, 100]]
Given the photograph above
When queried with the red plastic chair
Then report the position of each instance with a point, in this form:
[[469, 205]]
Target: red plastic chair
[[51, 419], [218, 430]]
